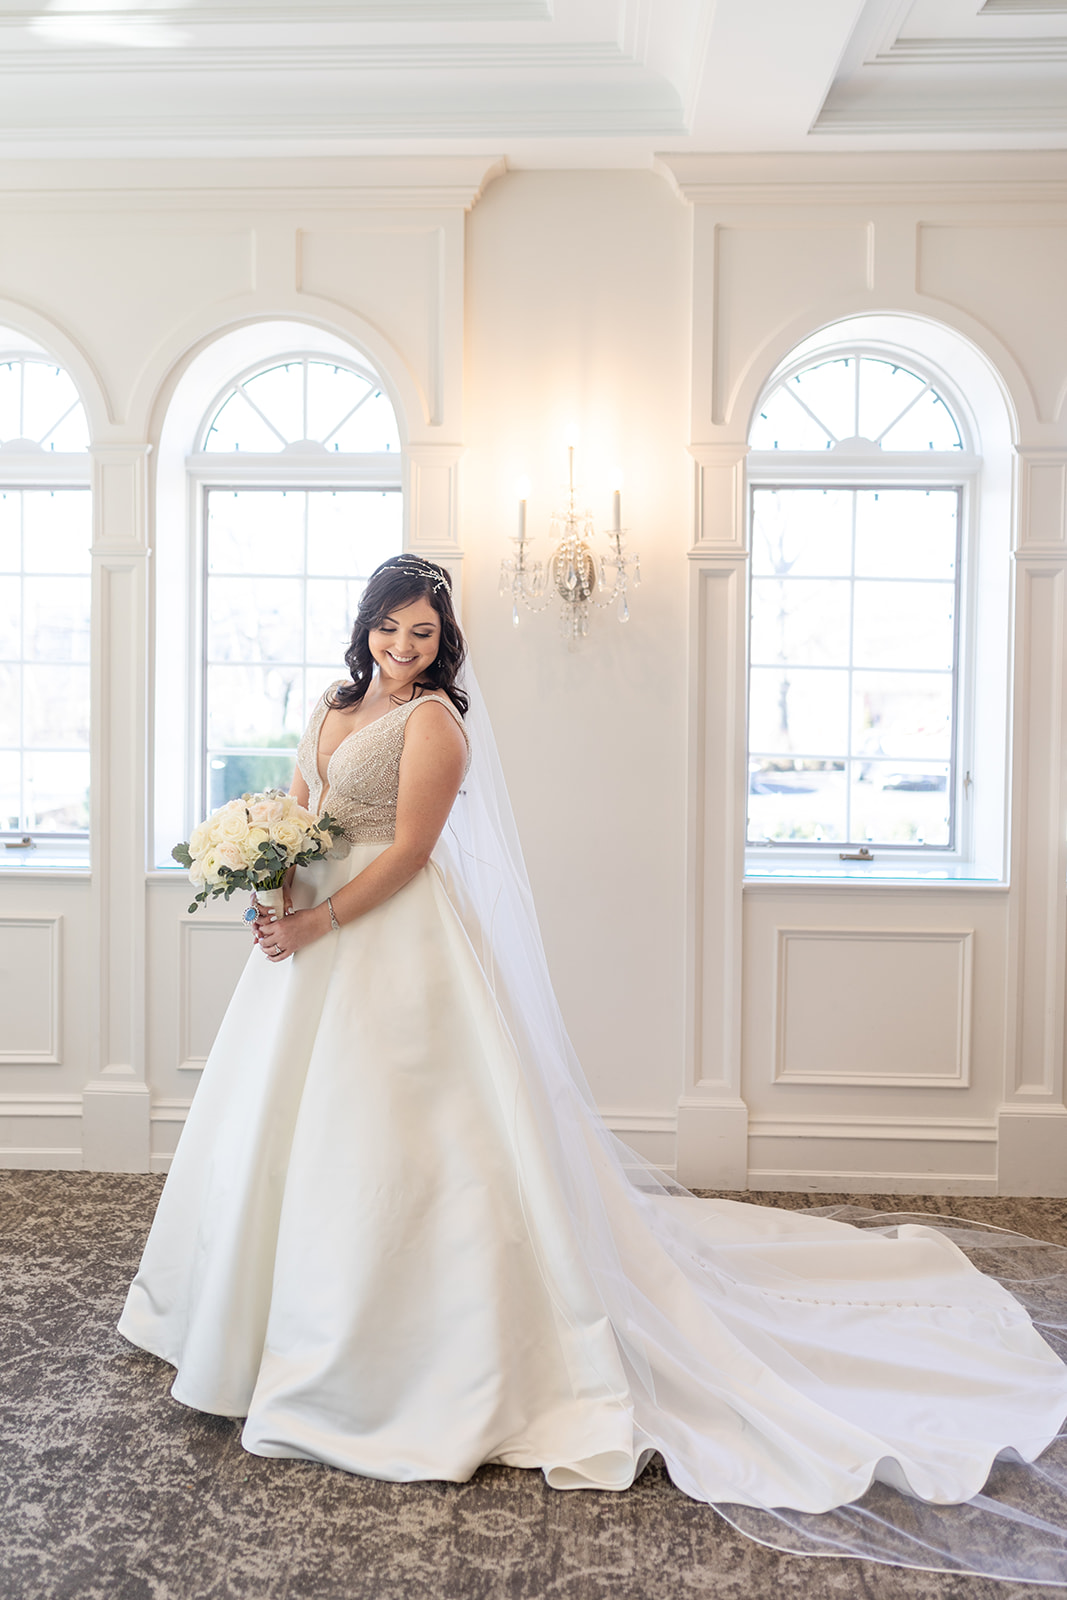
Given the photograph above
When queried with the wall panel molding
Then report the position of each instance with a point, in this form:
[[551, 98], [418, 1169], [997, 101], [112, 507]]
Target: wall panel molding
[[31, 969], [210, 956], [912, 1005]]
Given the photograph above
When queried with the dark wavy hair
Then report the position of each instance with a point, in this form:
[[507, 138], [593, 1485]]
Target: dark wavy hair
[[396, 583]]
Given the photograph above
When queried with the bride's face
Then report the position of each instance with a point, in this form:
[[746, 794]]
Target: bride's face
[[405, 643]]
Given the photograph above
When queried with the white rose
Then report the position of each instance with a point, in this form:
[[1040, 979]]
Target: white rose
[[256, 837], [199, 839], [289, 834], [209, 866], [233, 825]]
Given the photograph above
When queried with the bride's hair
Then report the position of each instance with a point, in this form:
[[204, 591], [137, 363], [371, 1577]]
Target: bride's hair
[[396, 583]]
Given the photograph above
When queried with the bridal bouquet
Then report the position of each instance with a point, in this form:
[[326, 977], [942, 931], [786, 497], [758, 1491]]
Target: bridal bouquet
[[251, 843]]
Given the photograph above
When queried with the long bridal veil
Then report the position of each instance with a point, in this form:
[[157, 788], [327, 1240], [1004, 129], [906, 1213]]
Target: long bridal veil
[[619, 1208]]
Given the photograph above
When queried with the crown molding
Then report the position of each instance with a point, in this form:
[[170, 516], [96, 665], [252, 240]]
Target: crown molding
[[617, 120], [969, 52], [262, 11], [307, 183], [944, 120], [851, 177], [284, 56]]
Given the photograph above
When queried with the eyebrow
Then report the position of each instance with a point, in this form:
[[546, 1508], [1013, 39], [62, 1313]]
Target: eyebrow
[[429, 623]]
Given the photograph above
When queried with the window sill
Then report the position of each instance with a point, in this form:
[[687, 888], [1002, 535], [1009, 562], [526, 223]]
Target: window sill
[[46, 860], [887, 872]]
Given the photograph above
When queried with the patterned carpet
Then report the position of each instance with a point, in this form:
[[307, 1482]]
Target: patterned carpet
[[110, 1490]]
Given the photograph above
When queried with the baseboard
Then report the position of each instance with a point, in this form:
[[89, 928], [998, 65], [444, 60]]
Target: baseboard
[[778, 1180]]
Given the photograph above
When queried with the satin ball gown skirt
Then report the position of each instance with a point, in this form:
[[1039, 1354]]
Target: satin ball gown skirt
[[364, 1248]]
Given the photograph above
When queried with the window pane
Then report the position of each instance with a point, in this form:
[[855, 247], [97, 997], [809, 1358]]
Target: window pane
[[927, 426], [10, 618], [57, 792], [902, 714], [906, 533], [10, 778], [233, 775], [885, 390], [783, 424], [255, 619], [10, 527], [256, 531], [319, 679], [332, 393], [10, 705], [799, 709], [56, 707], [10, 401], [278, 394], [57, 530], [802, 532], [56, 619], [796, 800], [802, 620], [905, 622], [332, 605], [238, 426], [373, 428], [901, 802], [254, 706], [352, 532], [829, 391], [47, 394]]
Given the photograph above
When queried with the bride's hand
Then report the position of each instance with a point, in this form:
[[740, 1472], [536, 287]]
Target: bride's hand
[[280, 937]]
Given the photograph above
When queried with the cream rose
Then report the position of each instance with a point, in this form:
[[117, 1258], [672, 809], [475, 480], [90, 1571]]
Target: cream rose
[[230, 854], [267, 814], [289, 834], [200, 839], [233, 824], [209, 866]]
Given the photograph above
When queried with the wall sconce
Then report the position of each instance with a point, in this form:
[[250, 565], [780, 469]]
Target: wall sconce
[[575, 574]]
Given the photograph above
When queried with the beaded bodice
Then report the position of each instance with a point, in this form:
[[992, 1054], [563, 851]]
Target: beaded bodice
[[363, 774]]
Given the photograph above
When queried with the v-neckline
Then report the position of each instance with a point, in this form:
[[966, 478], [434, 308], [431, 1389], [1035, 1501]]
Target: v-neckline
[[324, 779]]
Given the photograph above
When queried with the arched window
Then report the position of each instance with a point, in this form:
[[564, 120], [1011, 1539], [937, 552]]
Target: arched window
[[298, 479], [862, 512], [45, 585]]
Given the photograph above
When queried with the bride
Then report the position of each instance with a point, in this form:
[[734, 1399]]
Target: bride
[[397, 1238]]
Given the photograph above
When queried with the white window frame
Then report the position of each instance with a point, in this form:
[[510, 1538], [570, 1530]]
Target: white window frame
[[289, 469], [856, 468], [41, 470]]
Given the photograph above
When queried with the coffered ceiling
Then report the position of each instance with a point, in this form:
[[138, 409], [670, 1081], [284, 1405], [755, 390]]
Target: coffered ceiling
[[543, 82]]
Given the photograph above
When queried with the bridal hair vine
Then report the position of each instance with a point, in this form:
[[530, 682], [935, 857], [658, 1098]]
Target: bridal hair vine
[[424, 569]]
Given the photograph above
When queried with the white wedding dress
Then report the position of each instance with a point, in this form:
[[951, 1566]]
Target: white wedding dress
[[396, 1238]]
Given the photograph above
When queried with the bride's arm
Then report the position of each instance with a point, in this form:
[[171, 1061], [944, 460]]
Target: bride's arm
[[431, 771]]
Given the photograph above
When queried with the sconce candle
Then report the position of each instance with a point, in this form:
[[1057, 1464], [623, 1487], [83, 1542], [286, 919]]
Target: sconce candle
[[575, 572]]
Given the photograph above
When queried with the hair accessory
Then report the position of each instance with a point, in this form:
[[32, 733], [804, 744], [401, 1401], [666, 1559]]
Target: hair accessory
[[423, 569]]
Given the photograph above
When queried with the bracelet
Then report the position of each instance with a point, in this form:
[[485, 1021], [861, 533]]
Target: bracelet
[[333, 915]]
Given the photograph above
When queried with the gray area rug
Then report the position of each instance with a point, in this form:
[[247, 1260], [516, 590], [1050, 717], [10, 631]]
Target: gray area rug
[[110, 1490]]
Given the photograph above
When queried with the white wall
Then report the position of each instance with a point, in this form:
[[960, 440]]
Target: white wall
[[566, 297]]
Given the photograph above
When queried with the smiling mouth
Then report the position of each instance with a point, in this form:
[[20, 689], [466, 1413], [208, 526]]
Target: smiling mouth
[[401, 661]]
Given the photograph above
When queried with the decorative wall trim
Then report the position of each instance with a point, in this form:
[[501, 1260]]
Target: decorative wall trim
[[188, 1059], [958, 1077], [52, 1052]]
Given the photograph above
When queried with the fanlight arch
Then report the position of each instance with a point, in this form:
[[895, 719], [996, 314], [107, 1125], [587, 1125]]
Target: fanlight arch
[[305, 404], [856, 399]]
